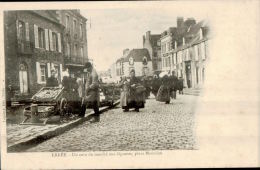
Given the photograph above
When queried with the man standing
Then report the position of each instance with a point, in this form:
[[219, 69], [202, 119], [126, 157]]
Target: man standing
[[52, 81], [91, 98]]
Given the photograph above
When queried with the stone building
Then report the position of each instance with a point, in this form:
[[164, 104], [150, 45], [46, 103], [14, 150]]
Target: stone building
[[75, 39], [135, 59], [172, 39], [33, 46], [152, 43], [186, 51]]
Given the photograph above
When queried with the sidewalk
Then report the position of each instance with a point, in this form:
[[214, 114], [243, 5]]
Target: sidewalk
[[192, 91], [20, 137]]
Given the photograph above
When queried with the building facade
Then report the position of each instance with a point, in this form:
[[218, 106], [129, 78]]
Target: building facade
[[153, 44], [75, 39], [33, 46], [188, 54]]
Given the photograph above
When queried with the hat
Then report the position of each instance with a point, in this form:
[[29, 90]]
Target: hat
[[88, 65], [132, 71]]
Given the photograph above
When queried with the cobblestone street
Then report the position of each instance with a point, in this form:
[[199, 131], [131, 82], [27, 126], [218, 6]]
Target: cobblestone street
[[156, 127]]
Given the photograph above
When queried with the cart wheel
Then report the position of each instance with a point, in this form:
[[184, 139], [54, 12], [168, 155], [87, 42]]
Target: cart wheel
[[63, 106]]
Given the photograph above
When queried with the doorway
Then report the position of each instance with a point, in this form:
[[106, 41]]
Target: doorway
[[188, 73], [23, 78]]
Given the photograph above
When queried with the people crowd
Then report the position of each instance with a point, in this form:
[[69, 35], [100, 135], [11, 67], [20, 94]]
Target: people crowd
[[82, 90], [134, 90]]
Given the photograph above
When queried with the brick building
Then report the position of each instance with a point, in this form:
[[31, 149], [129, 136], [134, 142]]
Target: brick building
[[75, 39], [152, 43], [33, 46]]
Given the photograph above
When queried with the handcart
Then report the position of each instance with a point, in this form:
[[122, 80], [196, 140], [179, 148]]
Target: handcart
[[48, 102]]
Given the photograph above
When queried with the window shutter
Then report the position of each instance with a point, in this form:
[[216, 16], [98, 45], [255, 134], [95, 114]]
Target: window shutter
[[61, 75], [27, 31], [36, 40], [196, 52], [52, 66], [174, 58], [59, 42], [17, 29], [38, 72], [46, 39], [50, 37], [49, 69], [187, 55], [203, 50]]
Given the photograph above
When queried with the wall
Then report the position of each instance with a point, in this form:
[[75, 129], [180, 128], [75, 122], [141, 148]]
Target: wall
[[37, 55]]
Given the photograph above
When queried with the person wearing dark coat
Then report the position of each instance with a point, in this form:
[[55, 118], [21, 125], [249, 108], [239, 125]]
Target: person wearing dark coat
[[52, 81], [133, 93], [92, 96], [174, 85], [155, 85], [146, 84], [180, 85], [163, 94]]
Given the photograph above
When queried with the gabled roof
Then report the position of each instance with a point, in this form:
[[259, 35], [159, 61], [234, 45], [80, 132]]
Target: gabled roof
[[193, 33], [138, 55], [48, 14]]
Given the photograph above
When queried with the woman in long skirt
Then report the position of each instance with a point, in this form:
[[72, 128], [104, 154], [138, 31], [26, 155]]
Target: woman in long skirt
[[163, 94]]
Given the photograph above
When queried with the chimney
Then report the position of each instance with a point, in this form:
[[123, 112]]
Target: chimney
[[189, 22], [180, 21], [143, 40], [148, 35], [125, 51]]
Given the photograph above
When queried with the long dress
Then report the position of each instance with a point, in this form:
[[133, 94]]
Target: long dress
[[132, 97], [163, 94]]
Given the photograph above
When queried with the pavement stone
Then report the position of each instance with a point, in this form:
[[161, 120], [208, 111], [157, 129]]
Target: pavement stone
[[158, 126]]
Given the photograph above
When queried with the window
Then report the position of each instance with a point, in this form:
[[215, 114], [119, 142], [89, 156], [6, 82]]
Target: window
[[81, 30], [55, 41], [75, 50], [74, 25], [21, 30], [67, 21], [68, 49], [81, 52], [43, 72], [168, 46], [41, 37]]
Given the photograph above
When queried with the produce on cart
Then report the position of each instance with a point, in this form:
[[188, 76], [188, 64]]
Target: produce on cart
[[108, 94], [50, 102]]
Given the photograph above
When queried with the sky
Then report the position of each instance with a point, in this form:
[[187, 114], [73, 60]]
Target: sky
[[115, 29]]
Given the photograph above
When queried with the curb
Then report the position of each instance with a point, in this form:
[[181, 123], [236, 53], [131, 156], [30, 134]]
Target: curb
[[33, 141]]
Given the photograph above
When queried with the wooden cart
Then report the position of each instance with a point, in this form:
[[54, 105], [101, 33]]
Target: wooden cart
[[46, 103]]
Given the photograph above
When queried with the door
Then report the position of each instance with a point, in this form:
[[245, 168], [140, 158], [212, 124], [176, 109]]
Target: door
[[23, 79], [188, 73]]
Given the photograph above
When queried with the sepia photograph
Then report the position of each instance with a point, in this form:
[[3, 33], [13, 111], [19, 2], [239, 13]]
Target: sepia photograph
[[124, 80]]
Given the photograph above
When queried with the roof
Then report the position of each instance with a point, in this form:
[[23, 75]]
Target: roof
[[138, 55], [77, 13], [48, 14], [193, 32], [119, 60]]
